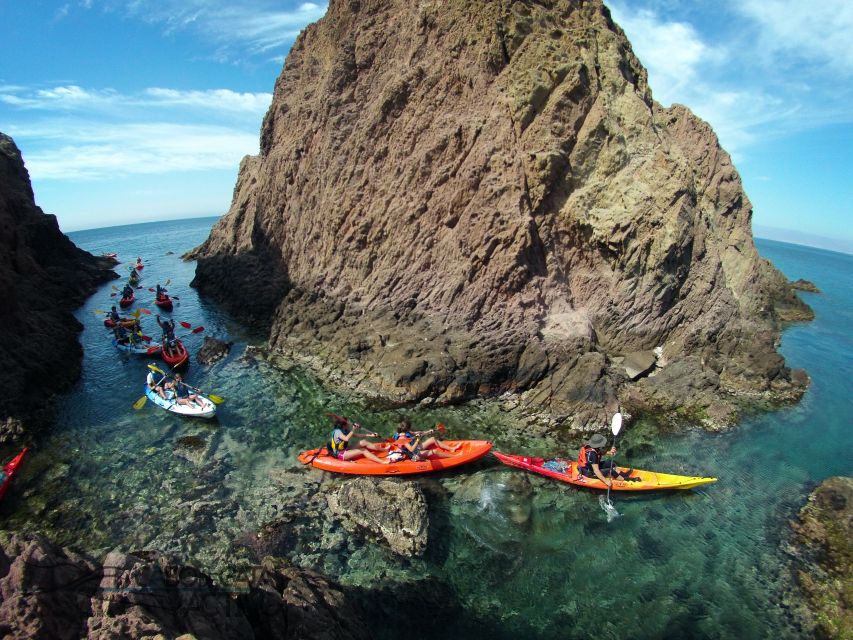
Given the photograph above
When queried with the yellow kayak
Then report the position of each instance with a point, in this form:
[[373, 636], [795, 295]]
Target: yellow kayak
[[567, 471]]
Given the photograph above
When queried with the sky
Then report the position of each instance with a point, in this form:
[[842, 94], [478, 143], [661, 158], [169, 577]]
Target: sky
[[137, 110]]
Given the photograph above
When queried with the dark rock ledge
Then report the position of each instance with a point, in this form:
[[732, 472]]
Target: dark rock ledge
[[53, 593]]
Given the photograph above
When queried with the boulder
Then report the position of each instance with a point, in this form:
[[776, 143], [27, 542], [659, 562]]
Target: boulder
[[638, 363], [394, 513], [212, 350]]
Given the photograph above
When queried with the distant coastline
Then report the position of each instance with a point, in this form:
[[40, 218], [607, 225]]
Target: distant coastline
[[788, 236]]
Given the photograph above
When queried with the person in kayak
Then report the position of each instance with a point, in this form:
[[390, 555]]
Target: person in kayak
[[121, 334], [156, 385], [405, 432], [114, 316], [591, 465], [341, 447], [127, 292], [161, 292], [183, 394], [168, 326]]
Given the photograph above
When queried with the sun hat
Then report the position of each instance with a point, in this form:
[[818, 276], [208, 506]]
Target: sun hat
[[597, 441]]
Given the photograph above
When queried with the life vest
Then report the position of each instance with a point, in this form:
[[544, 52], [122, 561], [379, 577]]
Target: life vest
[[583, 456], [336, 446], [407, 435]]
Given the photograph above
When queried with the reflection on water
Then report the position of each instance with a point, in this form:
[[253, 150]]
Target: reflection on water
[[510, 553]]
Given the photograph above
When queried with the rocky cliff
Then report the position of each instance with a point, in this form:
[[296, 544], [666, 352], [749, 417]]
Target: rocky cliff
[[43, 277], [469, 197]]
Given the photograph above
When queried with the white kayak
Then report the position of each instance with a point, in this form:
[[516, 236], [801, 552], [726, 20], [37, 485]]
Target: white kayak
[[207, 410], [140, 348]]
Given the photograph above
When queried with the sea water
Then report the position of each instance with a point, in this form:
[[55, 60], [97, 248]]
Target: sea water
[[513, 555]]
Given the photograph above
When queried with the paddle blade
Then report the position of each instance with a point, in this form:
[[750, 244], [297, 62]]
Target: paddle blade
[[197, 330], [145, 311], [154, 367], [112, 295], [98, 312], [608, 508], [138, 404], [185, 325], [166, 284], [146, 338], [216, 399], [175, 298], [616, 424], [153, 350], [151, 290]]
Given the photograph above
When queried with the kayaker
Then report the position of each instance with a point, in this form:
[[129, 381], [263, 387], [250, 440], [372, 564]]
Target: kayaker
[[161, 292], [120, 333], [168, 327], [127, 292], [590, 461], [156, 385], [183, 395], [405, 432], [341, 447], [114, 316]]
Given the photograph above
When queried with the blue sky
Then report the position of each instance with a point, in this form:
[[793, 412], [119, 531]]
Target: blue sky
[[135, 110]]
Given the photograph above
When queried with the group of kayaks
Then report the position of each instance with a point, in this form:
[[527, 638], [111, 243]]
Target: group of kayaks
[[471, 450], [176, 356]]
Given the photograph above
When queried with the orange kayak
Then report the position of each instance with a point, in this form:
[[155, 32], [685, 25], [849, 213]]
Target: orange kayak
[[648, 480], [471, 450]]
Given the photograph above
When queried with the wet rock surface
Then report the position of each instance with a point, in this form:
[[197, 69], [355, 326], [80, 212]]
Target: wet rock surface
[[824, 556], [52, 593], [391, 511], [212, 351], [805, 285], [489, 200], [43, 278]]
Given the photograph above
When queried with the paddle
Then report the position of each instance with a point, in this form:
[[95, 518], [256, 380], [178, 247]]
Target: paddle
[[213, 397], [609, 509], [184, 335]]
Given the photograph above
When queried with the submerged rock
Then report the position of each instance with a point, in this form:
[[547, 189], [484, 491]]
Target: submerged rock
[[212, 350], [467, 198], [393, 512], [824, 531]]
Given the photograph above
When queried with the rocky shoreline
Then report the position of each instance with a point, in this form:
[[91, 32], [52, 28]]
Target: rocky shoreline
[[490, 201]]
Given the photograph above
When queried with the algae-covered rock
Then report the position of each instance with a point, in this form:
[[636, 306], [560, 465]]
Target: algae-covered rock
[[824, 530]]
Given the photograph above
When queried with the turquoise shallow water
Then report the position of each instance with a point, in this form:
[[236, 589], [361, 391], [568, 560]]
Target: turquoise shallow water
[[510, 554]]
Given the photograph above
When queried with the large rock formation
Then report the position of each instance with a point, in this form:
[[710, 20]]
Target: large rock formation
[[51, 593], [43, 277], [473, 197]]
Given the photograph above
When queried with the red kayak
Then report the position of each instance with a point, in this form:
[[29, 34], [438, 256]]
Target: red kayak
[[139, 266], [126, 302], [176, 357], [8, 472], [164, 302]]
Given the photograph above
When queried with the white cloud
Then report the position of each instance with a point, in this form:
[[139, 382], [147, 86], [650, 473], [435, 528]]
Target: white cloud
[[818, 31], [75, 98], [65, 150], [672, 52], [745, 76], [252, 26]]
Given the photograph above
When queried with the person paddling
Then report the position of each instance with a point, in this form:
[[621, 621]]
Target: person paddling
[[182, 392], [169, 341], [342, 447], [161, 292], [591, 465], [114, 316], [127, 292], [156, 385], [405, 432]]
